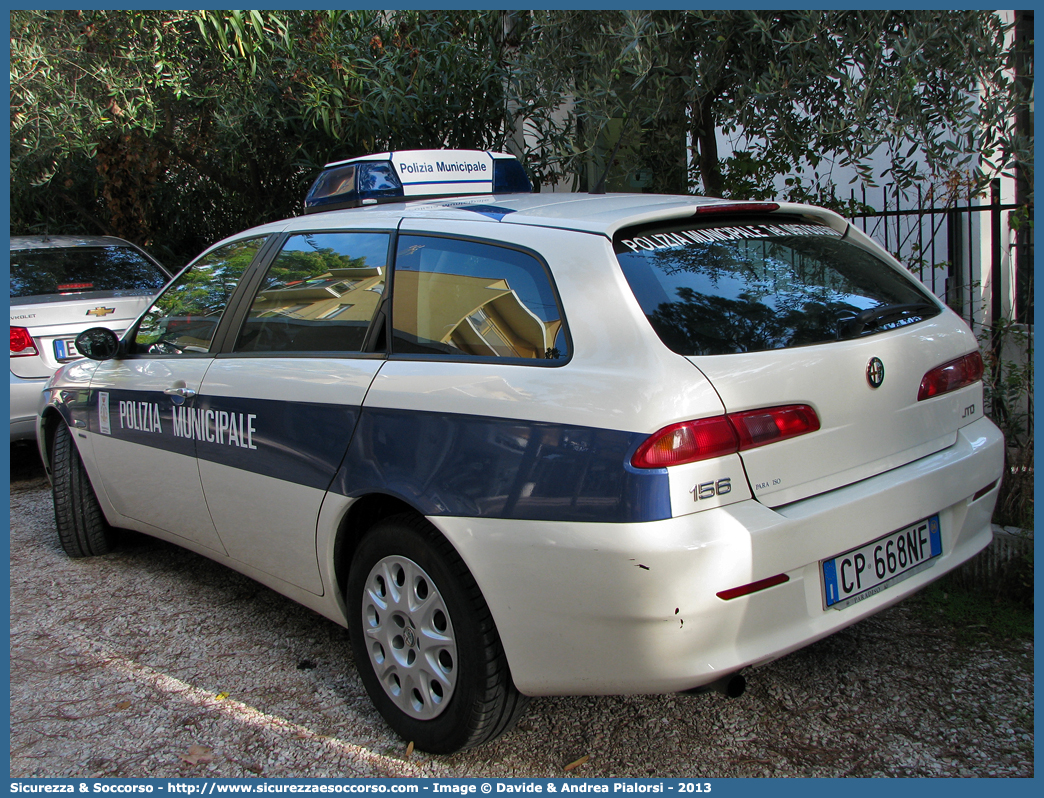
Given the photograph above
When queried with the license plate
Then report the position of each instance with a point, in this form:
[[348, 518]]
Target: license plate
[[65, 349], [869, 569]]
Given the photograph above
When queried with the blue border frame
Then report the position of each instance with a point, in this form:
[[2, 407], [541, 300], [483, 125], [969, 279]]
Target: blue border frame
[[853, 788]]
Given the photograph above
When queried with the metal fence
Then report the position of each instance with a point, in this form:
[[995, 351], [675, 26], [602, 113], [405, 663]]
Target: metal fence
[[998, 561], [953, 248]]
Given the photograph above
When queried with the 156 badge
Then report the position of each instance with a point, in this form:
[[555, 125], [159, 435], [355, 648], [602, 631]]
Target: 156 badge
[[708, 490]]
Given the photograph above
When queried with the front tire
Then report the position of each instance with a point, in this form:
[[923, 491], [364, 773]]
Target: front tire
[[82, 528], [424, 640]]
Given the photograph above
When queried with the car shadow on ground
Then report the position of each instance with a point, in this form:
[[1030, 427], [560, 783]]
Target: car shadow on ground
[[25, 462]]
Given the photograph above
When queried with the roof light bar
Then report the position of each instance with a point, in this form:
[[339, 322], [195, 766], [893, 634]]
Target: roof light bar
[[415, 174]]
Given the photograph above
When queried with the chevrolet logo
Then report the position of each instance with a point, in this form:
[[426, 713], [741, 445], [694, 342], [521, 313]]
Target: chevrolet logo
[[101, 311]]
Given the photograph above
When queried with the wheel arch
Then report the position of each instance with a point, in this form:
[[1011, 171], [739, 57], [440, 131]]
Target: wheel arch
[[52, 418], [362, 515]]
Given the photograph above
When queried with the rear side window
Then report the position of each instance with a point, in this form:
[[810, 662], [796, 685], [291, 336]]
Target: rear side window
[[75, 271], [714, 289], [319, 294], [472, 299]]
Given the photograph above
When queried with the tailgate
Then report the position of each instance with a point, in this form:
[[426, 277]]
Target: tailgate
[[864, 430], [779, 309]]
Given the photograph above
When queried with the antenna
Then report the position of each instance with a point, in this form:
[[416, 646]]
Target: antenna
[[600, 185]]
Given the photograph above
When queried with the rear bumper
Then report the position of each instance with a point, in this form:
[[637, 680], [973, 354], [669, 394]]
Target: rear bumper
[[632, 608], [26, 401]]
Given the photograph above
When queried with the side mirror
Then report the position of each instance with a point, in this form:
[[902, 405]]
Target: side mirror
[[98, 343]]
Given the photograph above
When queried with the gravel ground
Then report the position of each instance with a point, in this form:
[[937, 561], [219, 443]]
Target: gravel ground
[[155, 662]]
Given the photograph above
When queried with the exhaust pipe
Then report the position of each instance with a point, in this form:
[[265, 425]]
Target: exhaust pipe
[[731, 686]]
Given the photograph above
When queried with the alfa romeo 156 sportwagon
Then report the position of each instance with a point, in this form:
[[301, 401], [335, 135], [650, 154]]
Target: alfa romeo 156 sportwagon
[[538, 444]]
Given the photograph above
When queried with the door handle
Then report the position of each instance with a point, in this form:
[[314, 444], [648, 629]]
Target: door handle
[[184, 393]]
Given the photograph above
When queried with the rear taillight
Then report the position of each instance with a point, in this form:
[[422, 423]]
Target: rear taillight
[[951, 376], [22, 344], [758, 427], [705, 438], [687, 442]]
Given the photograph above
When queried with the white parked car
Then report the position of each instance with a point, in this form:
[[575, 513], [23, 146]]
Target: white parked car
[[538, 444], [61, 286]]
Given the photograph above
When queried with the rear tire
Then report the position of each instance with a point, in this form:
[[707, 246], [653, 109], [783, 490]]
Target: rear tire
[[424, 640], [82, 528]]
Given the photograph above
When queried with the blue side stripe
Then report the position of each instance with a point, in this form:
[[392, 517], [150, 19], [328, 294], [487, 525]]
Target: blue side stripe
[[474, 466], [440, 463], [300, 442]]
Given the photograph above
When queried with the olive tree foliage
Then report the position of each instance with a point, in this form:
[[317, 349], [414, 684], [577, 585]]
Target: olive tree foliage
[[798, 90], [176, 128]]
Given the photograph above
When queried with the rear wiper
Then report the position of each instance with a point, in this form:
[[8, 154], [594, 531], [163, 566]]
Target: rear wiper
[[852, 326]]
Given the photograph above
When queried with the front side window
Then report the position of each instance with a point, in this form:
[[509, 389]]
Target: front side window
[[471, 299], [183, 318], [730, 287], [319, 294]]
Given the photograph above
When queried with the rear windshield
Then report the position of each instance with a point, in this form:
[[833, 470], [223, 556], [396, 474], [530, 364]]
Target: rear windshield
[[750, 286], [57, 271]]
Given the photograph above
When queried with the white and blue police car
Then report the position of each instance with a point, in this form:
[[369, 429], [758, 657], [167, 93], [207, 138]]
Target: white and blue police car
[[538, 444]]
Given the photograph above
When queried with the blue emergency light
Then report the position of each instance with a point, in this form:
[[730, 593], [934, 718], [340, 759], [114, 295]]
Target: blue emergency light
[[415, 174]]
